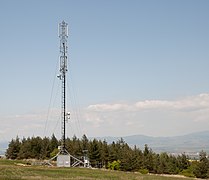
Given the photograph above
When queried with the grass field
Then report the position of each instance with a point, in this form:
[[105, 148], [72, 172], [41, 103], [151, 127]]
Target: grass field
[[15, 170]]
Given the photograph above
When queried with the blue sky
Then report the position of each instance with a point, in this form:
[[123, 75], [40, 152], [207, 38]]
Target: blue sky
[[122, 54]]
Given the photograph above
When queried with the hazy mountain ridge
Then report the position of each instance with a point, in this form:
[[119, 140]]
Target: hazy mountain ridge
[[190, 143]]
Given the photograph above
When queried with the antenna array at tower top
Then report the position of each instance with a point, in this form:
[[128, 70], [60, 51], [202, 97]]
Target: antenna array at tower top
[[63, 29]]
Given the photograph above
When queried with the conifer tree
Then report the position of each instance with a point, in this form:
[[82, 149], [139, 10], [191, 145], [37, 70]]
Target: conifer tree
[[53, 143], [45, 148], [13, 149], [201, 170], [94, 153]]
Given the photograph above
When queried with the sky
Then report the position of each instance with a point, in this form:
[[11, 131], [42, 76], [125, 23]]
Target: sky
[[134, 67]]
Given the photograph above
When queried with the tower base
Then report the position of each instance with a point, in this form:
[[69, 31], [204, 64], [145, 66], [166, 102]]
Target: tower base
[[63, 160], [66, 160]]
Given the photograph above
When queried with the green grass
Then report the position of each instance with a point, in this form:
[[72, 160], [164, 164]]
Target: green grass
[[11, 170]]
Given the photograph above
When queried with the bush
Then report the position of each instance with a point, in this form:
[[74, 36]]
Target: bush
[[144, 171], [54, 153], [115, 165], [187, 173]]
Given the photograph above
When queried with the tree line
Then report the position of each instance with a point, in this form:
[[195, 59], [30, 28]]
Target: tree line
[[116, 156]]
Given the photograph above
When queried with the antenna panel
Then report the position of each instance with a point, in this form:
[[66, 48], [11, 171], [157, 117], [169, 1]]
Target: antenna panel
[[63, 29]]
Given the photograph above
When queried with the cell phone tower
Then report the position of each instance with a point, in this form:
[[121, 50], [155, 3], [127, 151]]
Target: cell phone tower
[[64, 158], [63, 35]]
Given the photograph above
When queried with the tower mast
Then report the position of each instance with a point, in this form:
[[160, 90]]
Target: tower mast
[[64, 159], [63, 35]]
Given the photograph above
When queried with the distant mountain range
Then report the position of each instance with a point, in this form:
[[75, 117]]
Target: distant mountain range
[[190, 143]]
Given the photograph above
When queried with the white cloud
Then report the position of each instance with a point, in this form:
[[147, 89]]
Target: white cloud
[[150, 117], [152, 104], [108, 107], [28, 124], [190, 103], [153, 117]]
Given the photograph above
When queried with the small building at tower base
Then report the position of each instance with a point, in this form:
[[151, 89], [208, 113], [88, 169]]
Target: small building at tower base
[[63, 160]]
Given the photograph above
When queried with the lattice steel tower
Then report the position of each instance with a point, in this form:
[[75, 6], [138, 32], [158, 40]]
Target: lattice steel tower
[[63, 35], [64, 159]]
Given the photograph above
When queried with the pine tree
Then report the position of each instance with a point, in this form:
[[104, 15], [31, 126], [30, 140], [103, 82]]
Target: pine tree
[[85, 142], [13, 149], [104, 153], [53, 143], [148, 158], [113, 152], [127, 158], [45, 150], [25, 149], [36, 146], [201, 170], [94, 154], [183, 162]]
